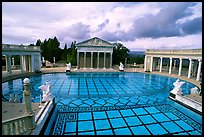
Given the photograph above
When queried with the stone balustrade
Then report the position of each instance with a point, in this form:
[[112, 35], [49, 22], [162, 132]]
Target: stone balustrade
[[175, 52], [189, 102], [16, 126]]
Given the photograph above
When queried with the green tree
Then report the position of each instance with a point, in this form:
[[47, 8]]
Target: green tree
[[120, 53], [72, 54]]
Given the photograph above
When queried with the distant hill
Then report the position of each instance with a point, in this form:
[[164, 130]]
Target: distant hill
[[136, 53]]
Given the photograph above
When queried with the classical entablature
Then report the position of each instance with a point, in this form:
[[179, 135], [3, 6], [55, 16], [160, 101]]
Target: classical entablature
[[94, 53]]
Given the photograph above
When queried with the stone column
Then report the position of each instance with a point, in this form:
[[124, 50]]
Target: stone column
[[28, 106], [104, 61], [170, 65], [151, 63], [180, 67], [111, 54], [77, 59], [199, 69], [21, 63], [8, 64], [160, 69], [98, 61], [32, 63], [189, 69], [91, 60], [145, 65], [84, 59]]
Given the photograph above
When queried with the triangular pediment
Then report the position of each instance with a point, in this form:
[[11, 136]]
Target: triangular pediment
[[94, 42]]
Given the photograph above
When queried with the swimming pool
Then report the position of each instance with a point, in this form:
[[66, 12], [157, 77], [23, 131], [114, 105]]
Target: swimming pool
[[112, 103]]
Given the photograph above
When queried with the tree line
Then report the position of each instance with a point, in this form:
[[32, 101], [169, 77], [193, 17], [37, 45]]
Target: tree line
[[51, 48]]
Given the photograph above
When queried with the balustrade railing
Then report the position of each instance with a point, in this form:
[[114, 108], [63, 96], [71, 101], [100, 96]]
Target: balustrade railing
[[20, 47], [16, 126], [184, 51]]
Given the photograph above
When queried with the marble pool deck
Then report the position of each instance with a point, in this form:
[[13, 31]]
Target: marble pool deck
[[12, 110]]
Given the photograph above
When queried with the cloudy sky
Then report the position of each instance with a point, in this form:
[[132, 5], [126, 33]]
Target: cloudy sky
[[137, 25]]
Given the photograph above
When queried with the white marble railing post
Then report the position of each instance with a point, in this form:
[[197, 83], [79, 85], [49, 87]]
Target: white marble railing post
[[170, 65], [104, 61], [151, 63], [28, 106], [160, 69], [180, 67], [13, 61], [189, 69], [199, 69], [54, 60], [84, 59], [174, 65], [91, 60], [78, 60], [98, 60]]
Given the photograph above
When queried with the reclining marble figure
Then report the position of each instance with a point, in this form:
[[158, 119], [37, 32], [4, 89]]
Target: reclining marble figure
[[47, 95], [177, 87], [121, 67], [194, 90], [68, 67]]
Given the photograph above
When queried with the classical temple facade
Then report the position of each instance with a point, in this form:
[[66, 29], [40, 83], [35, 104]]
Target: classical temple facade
[[30, 57], [154, 60], [94, 53]]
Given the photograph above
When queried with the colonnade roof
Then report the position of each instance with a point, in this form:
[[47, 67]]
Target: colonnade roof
[[95, 42], [182, 53]]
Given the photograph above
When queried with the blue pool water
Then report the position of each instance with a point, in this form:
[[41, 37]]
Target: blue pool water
[[112, 104]]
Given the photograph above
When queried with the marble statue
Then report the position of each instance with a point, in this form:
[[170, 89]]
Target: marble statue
[[16, 99], [194, 90], [121, 67], [68, 67], [11, 100], [46, 92], [177, 87]]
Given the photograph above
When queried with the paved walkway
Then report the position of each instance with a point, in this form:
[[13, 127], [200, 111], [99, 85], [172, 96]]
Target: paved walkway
[[12, 110]]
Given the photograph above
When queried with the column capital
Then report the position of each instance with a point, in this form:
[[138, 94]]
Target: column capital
[[180, 58], [161, 57], [170, 58], [199, 60], [190, 59]]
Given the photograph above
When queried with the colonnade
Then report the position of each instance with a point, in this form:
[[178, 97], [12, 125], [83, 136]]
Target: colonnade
[[170, 66], [92, 58], [29, 63]]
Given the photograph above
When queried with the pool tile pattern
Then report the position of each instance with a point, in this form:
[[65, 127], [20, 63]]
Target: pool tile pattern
[[116, 121]]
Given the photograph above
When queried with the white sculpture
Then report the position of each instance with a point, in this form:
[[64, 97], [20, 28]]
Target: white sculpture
[[46, 92], [16, 99], [194, 90], [177, 89], [121, 67], [11, 100], [76, 68], [68, 67], [134, 69]]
